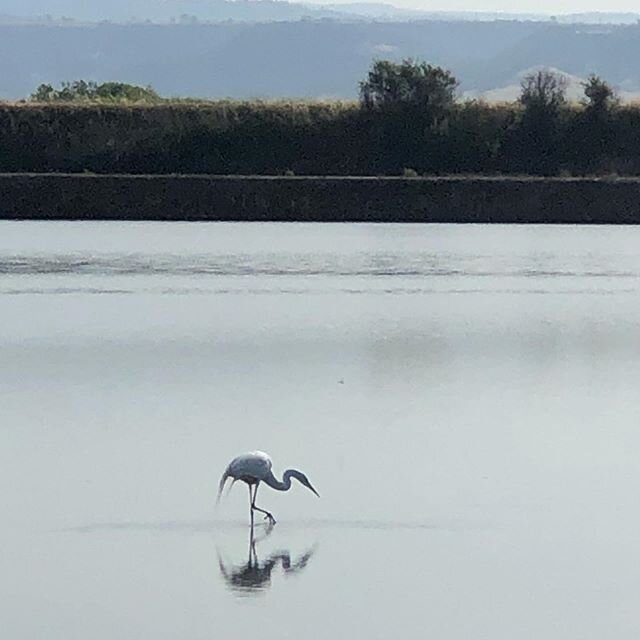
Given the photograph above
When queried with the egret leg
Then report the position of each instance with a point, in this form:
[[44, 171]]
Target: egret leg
[[251, 500], [268, 516]]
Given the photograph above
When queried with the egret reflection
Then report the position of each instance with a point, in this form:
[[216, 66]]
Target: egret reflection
[[254, 576]]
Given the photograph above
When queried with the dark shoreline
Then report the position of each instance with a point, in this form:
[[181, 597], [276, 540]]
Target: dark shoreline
[[454, 199]]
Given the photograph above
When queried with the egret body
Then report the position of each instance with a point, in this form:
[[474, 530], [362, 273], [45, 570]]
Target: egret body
[[255, 467]]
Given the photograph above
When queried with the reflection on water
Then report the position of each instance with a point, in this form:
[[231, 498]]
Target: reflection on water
[[254, 575]]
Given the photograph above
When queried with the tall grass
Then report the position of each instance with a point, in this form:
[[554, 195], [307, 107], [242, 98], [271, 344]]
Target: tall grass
[[309, 137]]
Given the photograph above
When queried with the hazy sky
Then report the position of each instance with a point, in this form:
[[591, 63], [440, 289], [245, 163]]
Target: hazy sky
[[25, 7], [521, 6], [550, 7]]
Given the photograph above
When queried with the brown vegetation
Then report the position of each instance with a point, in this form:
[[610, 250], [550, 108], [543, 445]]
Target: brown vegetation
[[398, 125]]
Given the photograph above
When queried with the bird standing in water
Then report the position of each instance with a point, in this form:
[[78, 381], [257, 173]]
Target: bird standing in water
[[254, 468]]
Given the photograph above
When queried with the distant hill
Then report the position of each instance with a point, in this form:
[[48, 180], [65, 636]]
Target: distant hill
[[574, 91], [600, 18], [9, 19], [124, 11], [306, 58], [162, 11]]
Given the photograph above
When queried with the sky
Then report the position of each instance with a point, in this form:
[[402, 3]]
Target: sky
[[522, 6], [549, 7]]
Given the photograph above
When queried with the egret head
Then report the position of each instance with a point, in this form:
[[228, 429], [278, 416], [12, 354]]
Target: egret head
[[298, 475], [309, 486]]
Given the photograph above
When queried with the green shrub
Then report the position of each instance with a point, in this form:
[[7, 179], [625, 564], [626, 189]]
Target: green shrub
[[83, 91]]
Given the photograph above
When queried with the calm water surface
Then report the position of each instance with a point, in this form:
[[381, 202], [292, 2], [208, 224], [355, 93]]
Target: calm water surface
[[465, 399]]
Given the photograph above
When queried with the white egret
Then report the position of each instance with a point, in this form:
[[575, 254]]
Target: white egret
[[255, 467]]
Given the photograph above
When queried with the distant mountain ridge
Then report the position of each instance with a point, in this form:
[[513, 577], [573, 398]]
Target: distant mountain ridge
[[125, 11], [306, 58]]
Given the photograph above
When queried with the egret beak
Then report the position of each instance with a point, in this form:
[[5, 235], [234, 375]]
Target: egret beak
[[312, 489]]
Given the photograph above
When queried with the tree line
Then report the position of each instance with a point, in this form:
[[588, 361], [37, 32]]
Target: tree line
[[407, 120], [92, 92]]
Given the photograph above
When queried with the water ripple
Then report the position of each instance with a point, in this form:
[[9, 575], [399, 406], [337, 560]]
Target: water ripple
[[409, 265], [207, 526]]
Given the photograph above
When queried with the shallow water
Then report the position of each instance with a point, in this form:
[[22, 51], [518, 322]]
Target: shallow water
[[464, 398]]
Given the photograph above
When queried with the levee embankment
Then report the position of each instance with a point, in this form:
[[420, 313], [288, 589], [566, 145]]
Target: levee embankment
[[320, 199]]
